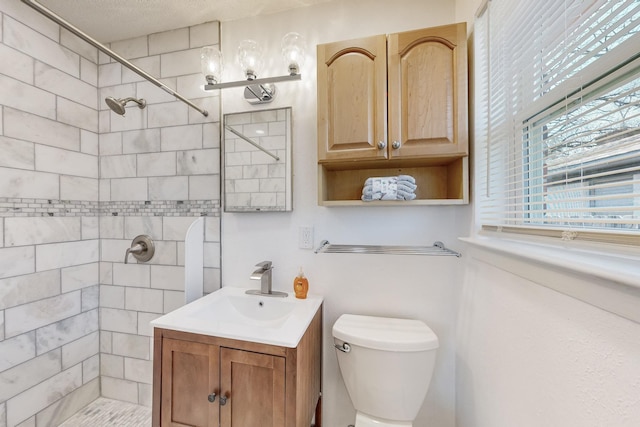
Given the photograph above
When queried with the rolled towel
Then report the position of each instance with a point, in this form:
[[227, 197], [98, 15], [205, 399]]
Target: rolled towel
[[380, 188], [408, 178], [407, 186], [406, 195]]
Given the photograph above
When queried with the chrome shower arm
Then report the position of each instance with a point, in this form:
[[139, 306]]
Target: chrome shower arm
[[93, 42]]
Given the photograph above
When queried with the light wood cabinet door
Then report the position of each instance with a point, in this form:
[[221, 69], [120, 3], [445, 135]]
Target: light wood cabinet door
[[352, 80], [427, 74], [254, 385], [190, 374]]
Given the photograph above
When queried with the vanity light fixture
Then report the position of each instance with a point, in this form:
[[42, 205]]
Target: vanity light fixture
[[249, 56]]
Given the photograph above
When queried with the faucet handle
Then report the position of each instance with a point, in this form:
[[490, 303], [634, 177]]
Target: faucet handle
[[265, 265]]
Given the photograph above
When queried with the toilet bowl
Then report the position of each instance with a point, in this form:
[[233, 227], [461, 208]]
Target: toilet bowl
[[386, 365]]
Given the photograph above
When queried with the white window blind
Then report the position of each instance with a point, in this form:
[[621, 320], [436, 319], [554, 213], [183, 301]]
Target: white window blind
[[557, 115]]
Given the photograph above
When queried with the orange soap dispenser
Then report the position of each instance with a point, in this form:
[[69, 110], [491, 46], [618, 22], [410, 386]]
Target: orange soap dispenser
[[301, 285]]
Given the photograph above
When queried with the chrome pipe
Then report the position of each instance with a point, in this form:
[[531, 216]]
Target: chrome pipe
[[93, 42]]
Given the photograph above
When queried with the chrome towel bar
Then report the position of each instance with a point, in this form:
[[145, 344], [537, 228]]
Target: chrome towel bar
[[437, 249]]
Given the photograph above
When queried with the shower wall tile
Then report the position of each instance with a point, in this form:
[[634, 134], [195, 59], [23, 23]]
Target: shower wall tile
[[138, 370], [167, 114], [134, 118], [166, 254], [16, 350], [33, 315], [169, 41], [114, 388], [78, 188], [115, 91], [176, 228], [169, 188], [1, 325], [110, 74], [129, 189], [89, 72], [199, 162], [28, 288], [211, 135], [79, 46], [16, 153], [141, 141], [79, 277], [144, 327], [59, 255], [156, 164], [131, 48], [192, 86], [110, 144], [204, 187], [118, 166], [140, 299], [90, 369], [31, 42], [16, 261], [181, 137], [153, 94], [77, 115], [90, 227], [112, 227], [112, 366], [113, 251], [136, 275], [90, 298], [42, 395], [173, 300], [16, 64], [89, 142], [211, 104], [26, 184], [149, 225], [65, 331], [22, 96], [167, 277], [24, 376], [3, 414], [115, 320], [206, 34], [33, 128], [211, 255], [131, 346], [62, 409], [111, 296], [180, 63], [64, 85], [81, 349], [30, 17], [150, 64], [38, 230]]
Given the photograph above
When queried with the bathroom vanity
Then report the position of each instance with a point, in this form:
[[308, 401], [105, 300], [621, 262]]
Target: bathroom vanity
[[231, 359]]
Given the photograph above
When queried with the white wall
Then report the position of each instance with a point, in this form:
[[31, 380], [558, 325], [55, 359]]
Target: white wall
[[412, 286]]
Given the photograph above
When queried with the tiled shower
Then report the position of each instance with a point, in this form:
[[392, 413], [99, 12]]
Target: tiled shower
[[77, 184]]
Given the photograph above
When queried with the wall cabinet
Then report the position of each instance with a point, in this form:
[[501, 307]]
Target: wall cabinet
[[206, 381], [390, 105]]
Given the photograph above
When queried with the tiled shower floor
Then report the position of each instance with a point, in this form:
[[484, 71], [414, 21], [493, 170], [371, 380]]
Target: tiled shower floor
[[110, 413]]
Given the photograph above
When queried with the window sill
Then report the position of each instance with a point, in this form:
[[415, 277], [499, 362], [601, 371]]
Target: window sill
[[605, 276]]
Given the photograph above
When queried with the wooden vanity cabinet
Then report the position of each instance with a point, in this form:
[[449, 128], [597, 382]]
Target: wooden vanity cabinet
[[392, 105], [206, 381]]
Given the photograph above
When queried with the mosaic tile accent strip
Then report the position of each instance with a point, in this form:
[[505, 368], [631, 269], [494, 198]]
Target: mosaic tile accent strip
[[109, 413], [14, 207]]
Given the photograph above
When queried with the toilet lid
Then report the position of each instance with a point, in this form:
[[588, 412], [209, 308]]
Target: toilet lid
[[384, 333]]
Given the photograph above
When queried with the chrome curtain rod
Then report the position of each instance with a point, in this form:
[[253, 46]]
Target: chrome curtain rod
[[93, 42]]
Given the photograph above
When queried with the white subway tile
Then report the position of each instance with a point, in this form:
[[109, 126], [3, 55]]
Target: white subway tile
[[138, 275], [33, 128], [204, 187], [116, 320], [131, 48], [119, 91], [211, 280], [181, 137], [134, 118], [1, 325], [211, 104], [16, 153], [14, 351], [71, 403], [156, 164], [199, 162], [1, 121], [40, 313], [144, 319], [21, 231], [149, 225], [90, 298], [90, 371], [191, 86], [81, 349], [167, 114], [16, 64], [179, 63], [111, 296], [27, 184], [22, 96], [140, 299], [26, 375], [113, 250], [141, 141], [118, 166], [106, 272], [103, 58], [119, 389], [112, 366], [16, 261], [153, 94], [173, 300], [89, 142], [34, 44], [145, 395], [79, 46], [42, 395], [110, 144], [206, 34], [104, 121], [89, 72], [212, 255], [28, 288], [169, 188], [64, 85], [169, 41], [167, 277], [112, 227], [58, 255], [90, 227], [77, 115], [104, 189], [175, 228], [110, 74], [150, 64], [166, 253], [80, 277], [33, 19], [66, 331], [138, 370], [78, 188], [212, 229], [131, 345], [211, 135], [3, 414], [106, 342]]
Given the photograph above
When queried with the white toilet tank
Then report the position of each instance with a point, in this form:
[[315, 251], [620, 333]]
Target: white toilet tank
[[388, 367]]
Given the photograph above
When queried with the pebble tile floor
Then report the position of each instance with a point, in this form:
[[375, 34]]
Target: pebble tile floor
[[110, 413]]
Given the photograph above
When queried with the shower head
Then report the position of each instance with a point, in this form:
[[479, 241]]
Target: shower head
[[117, 105]]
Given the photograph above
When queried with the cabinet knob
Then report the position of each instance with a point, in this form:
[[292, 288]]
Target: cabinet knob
[[396, 145], [382, 145], [223, 400], [212, 397]]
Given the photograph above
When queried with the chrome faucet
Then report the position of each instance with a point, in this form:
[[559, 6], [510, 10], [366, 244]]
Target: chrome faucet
[[264, 275]]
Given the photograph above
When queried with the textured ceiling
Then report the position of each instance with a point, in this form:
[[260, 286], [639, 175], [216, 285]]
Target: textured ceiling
[[111, 20]]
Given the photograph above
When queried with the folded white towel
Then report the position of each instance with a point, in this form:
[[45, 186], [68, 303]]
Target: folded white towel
[[389, 188]]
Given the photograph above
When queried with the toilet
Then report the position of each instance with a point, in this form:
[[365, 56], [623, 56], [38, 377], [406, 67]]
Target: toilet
[[386, 365]]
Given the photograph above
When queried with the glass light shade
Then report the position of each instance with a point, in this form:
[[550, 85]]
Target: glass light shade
[[250, 58], [212, 64], [293, 52]]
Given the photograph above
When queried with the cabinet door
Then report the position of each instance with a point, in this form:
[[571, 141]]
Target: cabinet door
[[254, 385], [189, 376], [428, 92], [352, 99]]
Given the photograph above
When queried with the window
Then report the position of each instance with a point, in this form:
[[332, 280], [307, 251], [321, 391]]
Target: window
[[557, 119]]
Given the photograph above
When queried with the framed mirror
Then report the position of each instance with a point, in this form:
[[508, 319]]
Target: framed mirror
[[257, 161]]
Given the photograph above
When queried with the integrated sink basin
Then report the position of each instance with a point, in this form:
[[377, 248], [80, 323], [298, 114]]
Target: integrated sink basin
[[230, 313]]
